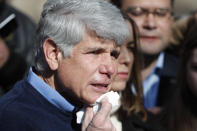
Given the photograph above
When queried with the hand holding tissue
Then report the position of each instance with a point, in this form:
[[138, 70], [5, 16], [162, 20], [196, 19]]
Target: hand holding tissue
[[113, 98]]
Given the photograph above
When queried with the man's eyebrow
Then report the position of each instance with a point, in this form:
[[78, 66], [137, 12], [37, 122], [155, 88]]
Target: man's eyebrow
[[116, 50], [130, 8], [94, 48], [131, 42], [100, 49]]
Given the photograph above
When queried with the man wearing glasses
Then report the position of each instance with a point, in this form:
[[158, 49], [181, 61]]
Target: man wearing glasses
[[154, 19]]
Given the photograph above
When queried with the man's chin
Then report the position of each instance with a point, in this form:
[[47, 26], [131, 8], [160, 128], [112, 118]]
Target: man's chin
[[151, 51], [91, 101]]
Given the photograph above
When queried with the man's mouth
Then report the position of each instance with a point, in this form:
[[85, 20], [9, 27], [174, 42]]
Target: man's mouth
[[101, 87], [145, 37], [149, 37]]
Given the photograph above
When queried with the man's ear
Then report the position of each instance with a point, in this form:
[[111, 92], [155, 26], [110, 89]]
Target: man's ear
[[51, 52]]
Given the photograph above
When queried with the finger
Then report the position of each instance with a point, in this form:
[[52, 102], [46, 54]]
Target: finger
[[114, 129], [87, 118], [105, 109]]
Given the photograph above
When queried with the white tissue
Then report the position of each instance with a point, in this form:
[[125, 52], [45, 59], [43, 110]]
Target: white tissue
[[113, 98], [80, 115]]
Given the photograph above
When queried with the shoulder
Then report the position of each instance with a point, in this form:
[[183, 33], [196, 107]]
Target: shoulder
[[17, 111], [171, 58], [15, 99], [12, 118]]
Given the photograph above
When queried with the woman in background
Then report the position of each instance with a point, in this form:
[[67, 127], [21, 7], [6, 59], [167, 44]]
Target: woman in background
[[131, 114], [182, 114]]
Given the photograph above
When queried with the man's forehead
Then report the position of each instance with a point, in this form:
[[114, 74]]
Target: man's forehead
[[95, 43], [146, 3], [100, 45], [92, 35]]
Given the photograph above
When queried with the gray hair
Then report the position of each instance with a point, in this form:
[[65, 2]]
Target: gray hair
[[65, 21]]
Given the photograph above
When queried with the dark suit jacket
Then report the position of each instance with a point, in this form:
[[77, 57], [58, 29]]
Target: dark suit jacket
[[167, 80]]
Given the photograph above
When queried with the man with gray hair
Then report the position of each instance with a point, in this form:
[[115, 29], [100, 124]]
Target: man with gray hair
[[75, 62]]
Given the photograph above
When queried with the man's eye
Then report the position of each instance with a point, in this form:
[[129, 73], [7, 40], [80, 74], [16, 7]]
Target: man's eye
[[95, 52], [161, 12], [136, 12], [115, 54], [130, 48]]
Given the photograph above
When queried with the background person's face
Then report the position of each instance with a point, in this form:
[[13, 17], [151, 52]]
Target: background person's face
[[154, 30], [89, 71], [192, 72], [125, 63]]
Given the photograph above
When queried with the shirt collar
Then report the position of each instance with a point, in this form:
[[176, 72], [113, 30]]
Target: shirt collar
[[49, 93], [160, 61], [159, 65]]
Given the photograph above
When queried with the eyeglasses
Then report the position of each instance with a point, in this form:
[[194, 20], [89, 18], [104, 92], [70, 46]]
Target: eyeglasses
[[160, 13]]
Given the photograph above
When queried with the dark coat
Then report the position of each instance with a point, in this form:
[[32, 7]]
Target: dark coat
[[25, 109], [167, 84]]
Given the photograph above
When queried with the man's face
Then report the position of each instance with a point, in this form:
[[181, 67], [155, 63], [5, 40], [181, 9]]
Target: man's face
[[90, 69], [154, 21]]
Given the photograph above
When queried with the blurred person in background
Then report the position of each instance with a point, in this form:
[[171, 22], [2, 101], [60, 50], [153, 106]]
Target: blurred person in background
[[182, 114], [182, 24], [16, 48], [131, 113], [154, 20]]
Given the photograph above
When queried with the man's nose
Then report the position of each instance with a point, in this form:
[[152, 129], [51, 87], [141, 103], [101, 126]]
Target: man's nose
[[108, 67], [150, 22]]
